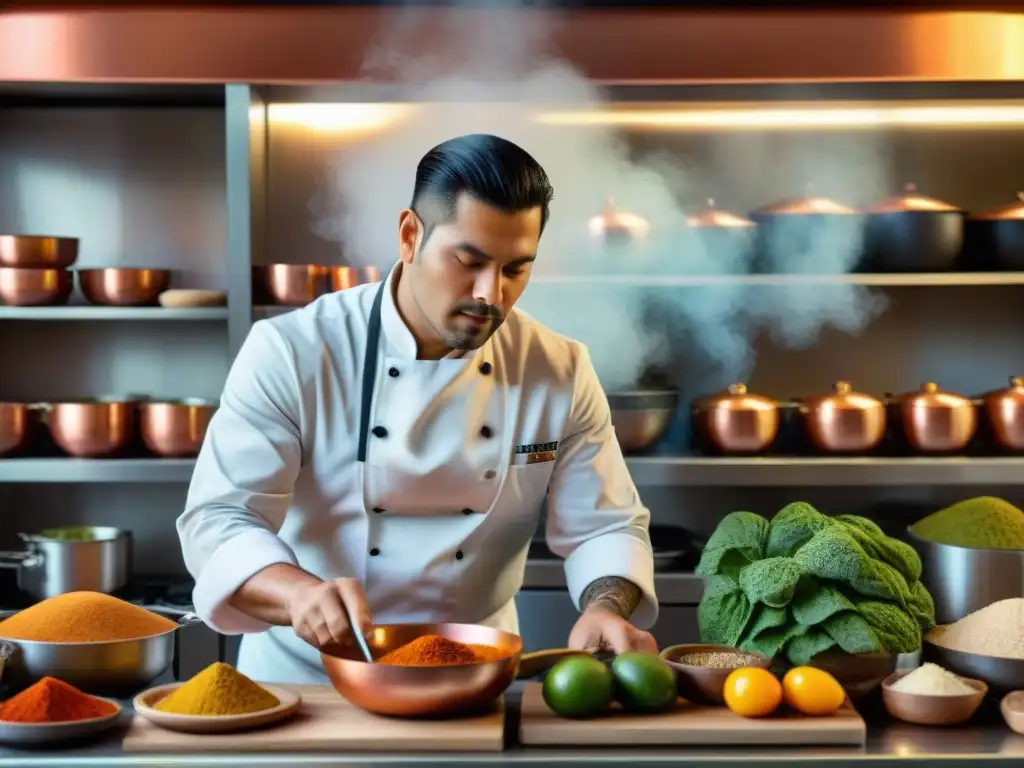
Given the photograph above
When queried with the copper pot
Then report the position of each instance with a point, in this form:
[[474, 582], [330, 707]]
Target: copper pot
[[94, 428], [995, 238], [913, 233], [798, 235], [843, 422], [295, 285], [616, 226], [349, 277], [736, 421], [176, 428], [722, 235], [15, 423], [38, 252], [123, 287], [934, 421], [34, 287], [1003, 411]]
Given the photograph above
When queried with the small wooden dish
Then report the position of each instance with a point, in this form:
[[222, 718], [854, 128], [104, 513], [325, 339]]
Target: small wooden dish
[[1012, 707], [145, 702], [705, 685], [27, 734], [923, 709]]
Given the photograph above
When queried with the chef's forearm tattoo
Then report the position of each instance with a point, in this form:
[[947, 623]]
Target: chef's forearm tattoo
[[612, 594]]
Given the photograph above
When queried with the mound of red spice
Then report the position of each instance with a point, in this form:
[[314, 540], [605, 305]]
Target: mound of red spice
[[437, 651], [53, 701]]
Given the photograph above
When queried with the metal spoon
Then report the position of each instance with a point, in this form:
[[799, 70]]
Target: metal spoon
[[360, 640]]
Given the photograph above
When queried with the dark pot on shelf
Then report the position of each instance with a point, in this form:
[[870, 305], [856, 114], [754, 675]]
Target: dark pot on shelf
[[807, 235], [844, 421], [995, 238], [641, 417], [735, 421], [913, 233], [727, 240], [934, 421], [1003, 414]]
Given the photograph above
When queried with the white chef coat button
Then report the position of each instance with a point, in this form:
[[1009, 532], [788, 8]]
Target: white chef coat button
[[378, 510], [467, 511], [379, 432], [490, 474], [459, 555], [485, 369], [374, 552], [393, 372], [486, 431]]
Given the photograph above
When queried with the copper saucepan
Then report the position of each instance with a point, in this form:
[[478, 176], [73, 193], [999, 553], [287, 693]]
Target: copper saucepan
[[431, 691], [94, 428], [735, 421], [175, 428], [15, 423], [936, 421], [1003, 411], [844, 421]]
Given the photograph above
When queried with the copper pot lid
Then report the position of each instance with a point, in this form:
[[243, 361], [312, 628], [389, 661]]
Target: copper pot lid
[[715, 218], [737, 398], [931, 396], [1015, 391], [617, 223], [1008, 212], [912, 202], [843, 397], [809, 205]]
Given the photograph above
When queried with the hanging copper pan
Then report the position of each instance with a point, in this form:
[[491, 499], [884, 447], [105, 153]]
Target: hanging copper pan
[[735, 421], [913, 233], [843, 421]]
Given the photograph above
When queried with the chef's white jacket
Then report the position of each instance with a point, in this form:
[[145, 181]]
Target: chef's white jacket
[[437, 522]]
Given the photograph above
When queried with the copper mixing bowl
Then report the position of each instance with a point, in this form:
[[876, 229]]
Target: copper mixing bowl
[[15, 420], [123, 287], [422, 691], [349, 277], [37, 251], [91, 428], [175, 428], [295, 285], [34, 287]]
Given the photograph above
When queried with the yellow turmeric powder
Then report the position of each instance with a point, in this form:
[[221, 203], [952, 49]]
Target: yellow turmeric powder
[[219, 689]]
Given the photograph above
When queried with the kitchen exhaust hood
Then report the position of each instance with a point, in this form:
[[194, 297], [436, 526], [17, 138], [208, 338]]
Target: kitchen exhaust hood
[[291, 45]]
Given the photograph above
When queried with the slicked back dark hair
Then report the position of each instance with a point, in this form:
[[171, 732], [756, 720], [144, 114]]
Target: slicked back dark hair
[[489, 168]]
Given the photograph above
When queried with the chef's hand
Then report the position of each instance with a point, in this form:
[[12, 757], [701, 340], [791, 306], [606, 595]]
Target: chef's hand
[[320, 612], [600, 630]]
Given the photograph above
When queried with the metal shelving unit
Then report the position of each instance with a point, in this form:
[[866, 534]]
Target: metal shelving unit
[[78, 313], [58, 470]]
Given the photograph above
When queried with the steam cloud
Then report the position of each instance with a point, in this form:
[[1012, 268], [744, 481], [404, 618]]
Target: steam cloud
[[702, 337]]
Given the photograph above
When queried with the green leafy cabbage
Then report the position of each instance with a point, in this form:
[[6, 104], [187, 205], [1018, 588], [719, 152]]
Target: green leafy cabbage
[[807, 583]]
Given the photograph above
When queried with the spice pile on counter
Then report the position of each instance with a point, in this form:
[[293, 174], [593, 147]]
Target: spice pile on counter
[[806, 583], [437, 651], [218, 690], [932, 680], [53, 701], [981, 523], [996, 630], [83, 617]]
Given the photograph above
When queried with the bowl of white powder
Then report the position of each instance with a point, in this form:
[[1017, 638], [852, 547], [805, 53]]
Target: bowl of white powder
[[987, 645], [931, 695]]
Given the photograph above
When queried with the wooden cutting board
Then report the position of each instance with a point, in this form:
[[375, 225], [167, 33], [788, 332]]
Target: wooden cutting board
[[688, 724], [327, 722]]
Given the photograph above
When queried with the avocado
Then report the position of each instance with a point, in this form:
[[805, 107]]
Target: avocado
[[644, 683], [578, 687]]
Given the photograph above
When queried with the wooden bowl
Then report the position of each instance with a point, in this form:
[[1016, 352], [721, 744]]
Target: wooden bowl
[[923, 709], [860, 674], [1012, 707], [704, 685]]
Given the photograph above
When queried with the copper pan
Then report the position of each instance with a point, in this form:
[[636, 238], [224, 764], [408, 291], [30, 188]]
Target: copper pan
[[935, 421], [15, 426], [94, 428], [123, 286], [736, 421], [845, 421], [349, 277], [431, 691], [34, 287], [176, 428], [295, 285], [36, 251], [1003, 411]]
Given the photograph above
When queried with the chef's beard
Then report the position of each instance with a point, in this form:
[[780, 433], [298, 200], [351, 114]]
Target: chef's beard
[[473, 337]]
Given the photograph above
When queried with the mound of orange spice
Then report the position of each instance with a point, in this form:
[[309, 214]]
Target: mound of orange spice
[[437, 651], [53, 701]]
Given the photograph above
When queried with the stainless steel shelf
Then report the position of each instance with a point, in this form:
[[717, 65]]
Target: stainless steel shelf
[[113, 313], [96, 470], [947, 279], [731, 472]]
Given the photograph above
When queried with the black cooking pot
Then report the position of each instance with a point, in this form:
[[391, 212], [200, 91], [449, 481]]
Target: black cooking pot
[[913, 233], [995, 238], [807, 235]]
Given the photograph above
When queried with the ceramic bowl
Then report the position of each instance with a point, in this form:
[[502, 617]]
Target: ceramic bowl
[[1012, 707], [704, 685], [860, 674], [924, 709]]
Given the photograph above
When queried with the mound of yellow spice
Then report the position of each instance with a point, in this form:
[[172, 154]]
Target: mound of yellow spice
[[83, 617], [220, 689]]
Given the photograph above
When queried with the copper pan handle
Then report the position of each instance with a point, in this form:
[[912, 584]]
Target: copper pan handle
[[535, 662]]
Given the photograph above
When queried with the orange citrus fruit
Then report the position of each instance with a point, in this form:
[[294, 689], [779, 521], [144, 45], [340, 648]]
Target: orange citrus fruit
[[812, 691], [752, 692]]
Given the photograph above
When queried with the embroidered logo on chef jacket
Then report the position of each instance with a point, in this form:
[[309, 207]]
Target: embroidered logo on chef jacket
[[535, 453]]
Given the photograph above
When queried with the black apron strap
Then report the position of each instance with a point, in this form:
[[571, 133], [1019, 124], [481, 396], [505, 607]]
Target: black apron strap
[[370, 369]]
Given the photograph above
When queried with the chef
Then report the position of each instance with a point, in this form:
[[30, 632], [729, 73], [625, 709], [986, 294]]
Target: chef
[[382, 455]]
